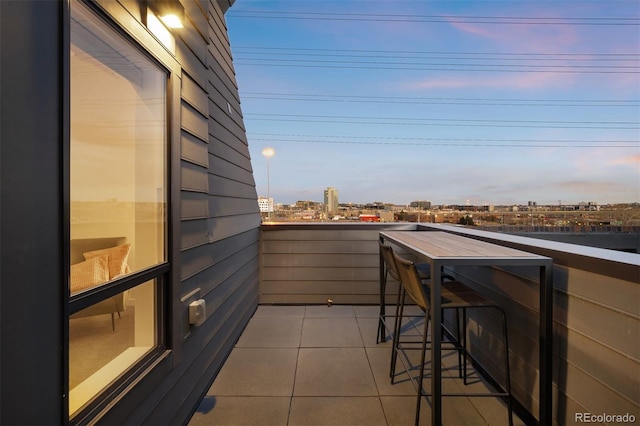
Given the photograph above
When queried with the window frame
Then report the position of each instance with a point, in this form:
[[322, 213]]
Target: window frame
[[166, 353]]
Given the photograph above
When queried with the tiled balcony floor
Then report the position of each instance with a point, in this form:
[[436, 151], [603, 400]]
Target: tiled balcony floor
[[320, 365]]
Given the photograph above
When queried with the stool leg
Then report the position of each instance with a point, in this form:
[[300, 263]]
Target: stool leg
[[397, 325], [381, 326], [458, 334], [422, 362], [464, 345], [506, 366], [396, 319]]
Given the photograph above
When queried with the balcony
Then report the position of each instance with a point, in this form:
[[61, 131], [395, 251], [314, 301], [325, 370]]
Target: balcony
[[301, 361]]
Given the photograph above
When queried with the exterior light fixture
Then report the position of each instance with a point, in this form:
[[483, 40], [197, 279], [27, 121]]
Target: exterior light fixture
[[170, 12], [171, 21]]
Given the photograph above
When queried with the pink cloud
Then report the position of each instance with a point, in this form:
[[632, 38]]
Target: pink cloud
[[632, 160], [525, 38], [530, 80]]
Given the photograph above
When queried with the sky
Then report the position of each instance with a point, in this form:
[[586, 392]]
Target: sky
[[455, 102]]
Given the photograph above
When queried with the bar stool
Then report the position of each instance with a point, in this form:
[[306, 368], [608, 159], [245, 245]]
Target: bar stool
[[424, 270], [389, 270], [455, 295]]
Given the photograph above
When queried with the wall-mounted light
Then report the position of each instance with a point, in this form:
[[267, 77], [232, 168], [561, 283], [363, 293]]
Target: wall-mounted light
[[170, 12]]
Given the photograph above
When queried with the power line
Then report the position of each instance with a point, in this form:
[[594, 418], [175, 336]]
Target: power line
[[533, 67], [316, 97], [461, 56], [487, 143], [445, 19], [617, 125], [435, 52], [413, 140], [338, 65]]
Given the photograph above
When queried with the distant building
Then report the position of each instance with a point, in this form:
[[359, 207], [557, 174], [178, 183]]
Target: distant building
[[307, 204], [265, 204], [368, 218], [422, 204], [331, 200]]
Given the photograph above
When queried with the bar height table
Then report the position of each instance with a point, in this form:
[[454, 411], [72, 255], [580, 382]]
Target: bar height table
[[448, 249]]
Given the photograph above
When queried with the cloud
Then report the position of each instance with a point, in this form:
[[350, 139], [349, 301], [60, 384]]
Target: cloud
[[632, 160], [525, 81]]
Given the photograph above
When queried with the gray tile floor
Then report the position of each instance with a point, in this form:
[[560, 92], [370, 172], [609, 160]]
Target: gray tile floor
[[320, 365]]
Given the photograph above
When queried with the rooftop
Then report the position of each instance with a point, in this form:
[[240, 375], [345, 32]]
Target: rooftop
[[320, 365]]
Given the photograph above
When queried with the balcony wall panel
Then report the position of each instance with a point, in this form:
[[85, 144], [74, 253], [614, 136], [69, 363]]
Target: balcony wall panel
[[317, 262], [596, 326]]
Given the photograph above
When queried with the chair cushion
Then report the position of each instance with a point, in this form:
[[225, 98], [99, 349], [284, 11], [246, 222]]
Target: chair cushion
[[89, 273], [117, 258]]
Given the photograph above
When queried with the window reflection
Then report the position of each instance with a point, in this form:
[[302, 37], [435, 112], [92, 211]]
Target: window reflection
[[118, 202]]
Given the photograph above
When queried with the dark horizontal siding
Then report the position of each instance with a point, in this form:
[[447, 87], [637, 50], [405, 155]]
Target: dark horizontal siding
[[191, 65], [193, 205], [223, 167], [194, 150], [219, 234], [194, 94], [193, 122], [195, 11], [223, 186], [221, 134], [193, 177]]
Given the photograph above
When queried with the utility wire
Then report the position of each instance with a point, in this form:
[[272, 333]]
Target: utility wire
[[617, 125], [445, 19], [312, 97], [506, 144], [461, 56], [333, 65], [499, 65], [274, 137], [435, 52]]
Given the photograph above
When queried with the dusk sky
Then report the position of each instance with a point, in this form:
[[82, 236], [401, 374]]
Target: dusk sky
[[456, 102]]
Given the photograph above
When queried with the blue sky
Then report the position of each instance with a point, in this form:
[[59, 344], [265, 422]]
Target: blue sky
[[491, 102]]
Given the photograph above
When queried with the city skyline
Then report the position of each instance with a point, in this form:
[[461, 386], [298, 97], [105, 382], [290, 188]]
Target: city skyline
[[530, 203], [456, 102]]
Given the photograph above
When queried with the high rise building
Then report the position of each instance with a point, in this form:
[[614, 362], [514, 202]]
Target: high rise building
[[331, 201], [265, 204]]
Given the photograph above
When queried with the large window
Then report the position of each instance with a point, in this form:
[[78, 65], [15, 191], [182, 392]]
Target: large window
[[118, 205]]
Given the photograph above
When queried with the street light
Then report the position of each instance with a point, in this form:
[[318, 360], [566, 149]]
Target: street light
[[268, 152]]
